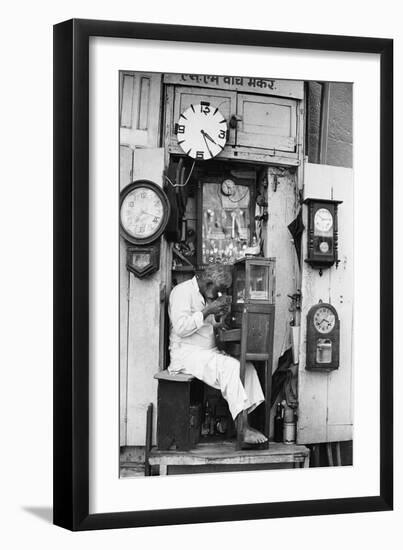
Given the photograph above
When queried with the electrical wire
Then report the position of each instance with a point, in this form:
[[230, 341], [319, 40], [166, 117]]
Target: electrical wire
[[187, 180], [228, 197]]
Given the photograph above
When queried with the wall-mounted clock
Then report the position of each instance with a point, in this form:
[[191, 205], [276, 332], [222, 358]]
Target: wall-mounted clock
[[228, 187], [323, 338], [144, 214], [201, 131], [322, 233]]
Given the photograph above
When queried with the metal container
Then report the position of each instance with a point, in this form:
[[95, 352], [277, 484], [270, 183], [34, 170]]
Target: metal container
[[289, 431]]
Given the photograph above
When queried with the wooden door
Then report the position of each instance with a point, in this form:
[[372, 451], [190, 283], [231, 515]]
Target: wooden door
[[140, 157], [325, 398], [267, 122]]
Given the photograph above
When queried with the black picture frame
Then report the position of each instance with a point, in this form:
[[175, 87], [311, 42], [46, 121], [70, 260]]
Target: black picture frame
[[71, 274]]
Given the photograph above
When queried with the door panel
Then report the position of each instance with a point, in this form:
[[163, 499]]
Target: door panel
[[266, 122], [140, 120], [325, 399], [144, 312], [140, 93]]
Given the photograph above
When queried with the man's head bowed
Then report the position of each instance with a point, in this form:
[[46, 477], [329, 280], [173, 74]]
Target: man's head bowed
[[217, 275]]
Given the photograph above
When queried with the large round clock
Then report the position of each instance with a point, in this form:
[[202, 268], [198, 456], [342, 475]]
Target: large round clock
[[201, 131], [144, 212]]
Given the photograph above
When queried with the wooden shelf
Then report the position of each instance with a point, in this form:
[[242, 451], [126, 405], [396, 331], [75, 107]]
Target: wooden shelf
[[183, 268]]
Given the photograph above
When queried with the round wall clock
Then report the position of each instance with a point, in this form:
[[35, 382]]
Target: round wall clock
[[201, 131], [228, 187], [144, 212]]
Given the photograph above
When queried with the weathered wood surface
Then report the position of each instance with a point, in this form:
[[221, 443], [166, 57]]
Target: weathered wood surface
[[144, 322], [140, 110], [266, 86], [267, 122], [325, 399], [178, 377], [126, 173], [140, 105], [225, 453], [283, 205]]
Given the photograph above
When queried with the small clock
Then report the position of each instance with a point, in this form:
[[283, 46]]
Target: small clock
[[144, 212], [324, 320], [322, 233], [228, 187], [323, 338], [201, 131]]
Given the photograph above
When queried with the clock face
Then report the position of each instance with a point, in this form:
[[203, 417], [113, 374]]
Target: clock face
[[142, 212], [324, 247], [323, 220], [324, 320], [202, 131], [228, 187]]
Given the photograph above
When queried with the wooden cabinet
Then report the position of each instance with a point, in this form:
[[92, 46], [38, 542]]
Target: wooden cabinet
[[259, 125]]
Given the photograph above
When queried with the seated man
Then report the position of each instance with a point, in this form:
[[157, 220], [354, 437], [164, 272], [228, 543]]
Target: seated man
[[192, 308]]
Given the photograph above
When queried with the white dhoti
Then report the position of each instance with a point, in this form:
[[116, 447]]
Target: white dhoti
[[193, 351], [222, 372]]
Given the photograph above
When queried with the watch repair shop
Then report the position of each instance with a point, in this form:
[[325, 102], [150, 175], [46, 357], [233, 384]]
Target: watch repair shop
[[254, 174]]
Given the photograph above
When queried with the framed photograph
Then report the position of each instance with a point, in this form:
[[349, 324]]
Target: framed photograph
[[223, 270]]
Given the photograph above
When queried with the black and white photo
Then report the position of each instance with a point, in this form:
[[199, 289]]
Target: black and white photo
[[236, 273]]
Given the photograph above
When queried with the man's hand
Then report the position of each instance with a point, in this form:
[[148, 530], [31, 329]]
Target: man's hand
[[217, 307]]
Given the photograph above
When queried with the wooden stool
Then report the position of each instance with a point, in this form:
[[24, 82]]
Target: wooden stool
[[179, 410]]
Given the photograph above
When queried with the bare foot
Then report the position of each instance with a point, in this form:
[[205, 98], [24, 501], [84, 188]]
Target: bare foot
[[252, 436], [257, 431]]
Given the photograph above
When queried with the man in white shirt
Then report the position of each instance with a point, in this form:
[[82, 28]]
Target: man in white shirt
[[193, 306]]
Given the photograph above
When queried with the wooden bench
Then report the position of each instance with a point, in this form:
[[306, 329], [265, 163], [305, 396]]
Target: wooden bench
[[224, 454]]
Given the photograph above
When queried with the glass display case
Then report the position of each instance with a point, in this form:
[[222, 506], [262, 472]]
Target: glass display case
[[250, 333], [253, 280], [226, 222]]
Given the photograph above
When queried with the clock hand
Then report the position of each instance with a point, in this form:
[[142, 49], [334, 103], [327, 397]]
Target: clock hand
[[148, 213], [208, 148], [205, 135]]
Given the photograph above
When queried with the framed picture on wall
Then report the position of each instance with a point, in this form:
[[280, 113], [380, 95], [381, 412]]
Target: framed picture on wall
[[212, 290]]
